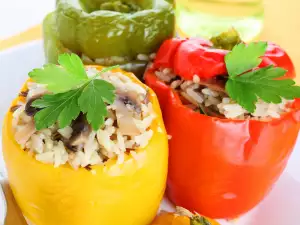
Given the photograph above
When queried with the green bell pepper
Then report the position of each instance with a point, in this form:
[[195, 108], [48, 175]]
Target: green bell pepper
[[52, 45], [108, 31]]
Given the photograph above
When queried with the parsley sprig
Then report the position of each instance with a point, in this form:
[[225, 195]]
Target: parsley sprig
[[72, 92], [246, 83]]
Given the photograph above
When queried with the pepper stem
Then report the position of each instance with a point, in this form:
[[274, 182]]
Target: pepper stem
[[199, 220], [226, 40]]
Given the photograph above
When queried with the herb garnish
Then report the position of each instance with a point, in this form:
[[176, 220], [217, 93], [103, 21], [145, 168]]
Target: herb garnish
[[246, 83], [199, 220], [73, 92], [226, 40]]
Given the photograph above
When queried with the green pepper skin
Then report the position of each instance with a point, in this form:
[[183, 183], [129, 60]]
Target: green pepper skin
[[77, 26], [104, 33], [52, 45], [53, 48]]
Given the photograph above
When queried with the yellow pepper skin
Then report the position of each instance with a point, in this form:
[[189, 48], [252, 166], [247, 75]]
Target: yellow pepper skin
[[127, 194]]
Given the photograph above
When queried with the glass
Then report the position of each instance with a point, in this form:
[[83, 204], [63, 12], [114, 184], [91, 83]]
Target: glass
[[207, 18]]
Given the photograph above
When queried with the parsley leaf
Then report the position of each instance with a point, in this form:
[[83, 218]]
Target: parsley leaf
[[246, 84], [261, 83], [243, 57], [92, 101], [89, 98], [62, 78], [61, 107], [73, 64]]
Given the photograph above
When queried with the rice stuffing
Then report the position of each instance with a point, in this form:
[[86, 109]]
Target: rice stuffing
[[112, 60], [209, 97], [126, 128]]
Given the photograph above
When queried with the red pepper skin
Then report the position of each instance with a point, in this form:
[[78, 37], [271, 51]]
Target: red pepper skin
[[199, 59], [222, 168], [165, 55], [281, 59], [188, 57], [196, 54]]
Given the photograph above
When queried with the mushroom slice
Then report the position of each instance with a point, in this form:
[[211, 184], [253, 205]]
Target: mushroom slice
[[131, 99], [125, 119], [81, 131], [30, 110], [216, 83]]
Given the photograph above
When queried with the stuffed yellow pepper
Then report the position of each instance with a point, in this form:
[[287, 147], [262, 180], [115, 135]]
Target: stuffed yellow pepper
[[85, 145]]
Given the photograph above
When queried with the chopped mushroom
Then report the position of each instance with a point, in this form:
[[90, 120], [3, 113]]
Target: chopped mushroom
[[81, 131], [30, 110], [24, 133], [125, 119], [216, 83], [131, 99], [80, 139]]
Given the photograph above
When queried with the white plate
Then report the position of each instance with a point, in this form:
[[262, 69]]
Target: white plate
[[280, 207]]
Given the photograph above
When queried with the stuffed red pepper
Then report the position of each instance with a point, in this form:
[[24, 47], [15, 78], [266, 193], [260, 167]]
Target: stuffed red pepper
[[233, 116]]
